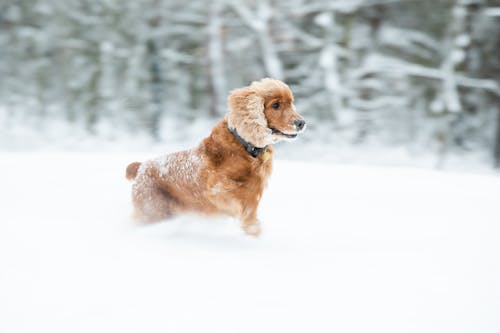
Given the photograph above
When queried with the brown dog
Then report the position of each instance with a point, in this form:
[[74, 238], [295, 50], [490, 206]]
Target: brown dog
[[227, 172]]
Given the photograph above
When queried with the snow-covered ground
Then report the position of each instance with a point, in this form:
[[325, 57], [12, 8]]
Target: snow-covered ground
[[344, 249]]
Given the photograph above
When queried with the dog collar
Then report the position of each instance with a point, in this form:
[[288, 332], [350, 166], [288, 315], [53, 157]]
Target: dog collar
[[251, 149]]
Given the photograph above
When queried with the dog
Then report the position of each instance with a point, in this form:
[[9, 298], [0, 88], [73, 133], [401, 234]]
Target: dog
[[227, 173]]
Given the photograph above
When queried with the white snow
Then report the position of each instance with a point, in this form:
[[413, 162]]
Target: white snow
[[462, 40], [492, 11], [344, 249], [457, 56], [185, 163]]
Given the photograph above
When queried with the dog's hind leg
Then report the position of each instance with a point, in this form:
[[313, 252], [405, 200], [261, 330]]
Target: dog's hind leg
[[151, 207], [151, 204]]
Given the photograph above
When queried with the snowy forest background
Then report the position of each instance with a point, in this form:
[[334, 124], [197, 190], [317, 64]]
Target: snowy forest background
[[422, 75]]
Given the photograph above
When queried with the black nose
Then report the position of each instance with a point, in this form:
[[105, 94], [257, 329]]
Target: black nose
[[300, 123]]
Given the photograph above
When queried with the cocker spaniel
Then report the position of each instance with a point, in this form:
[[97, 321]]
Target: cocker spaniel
[[226, 173]]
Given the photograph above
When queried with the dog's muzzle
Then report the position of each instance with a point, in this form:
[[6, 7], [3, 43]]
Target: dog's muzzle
[[299, 124]]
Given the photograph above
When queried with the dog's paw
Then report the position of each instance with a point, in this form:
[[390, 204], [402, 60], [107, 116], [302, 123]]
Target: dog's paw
[[252, 229]]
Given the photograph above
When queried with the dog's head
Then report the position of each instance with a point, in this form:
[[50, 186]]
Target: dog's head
[[263, 113]]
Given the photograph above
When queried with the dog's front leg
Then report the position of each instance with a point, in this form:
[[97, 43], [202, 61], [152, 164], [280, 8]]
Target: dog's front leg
[[249, 221]]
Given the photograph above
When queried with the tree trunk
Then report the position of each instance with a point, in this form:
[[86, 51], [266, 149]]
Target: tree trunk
[[272, 62], [259, 22], [328, 60], [216, 59], [156, 89], [497, 137]]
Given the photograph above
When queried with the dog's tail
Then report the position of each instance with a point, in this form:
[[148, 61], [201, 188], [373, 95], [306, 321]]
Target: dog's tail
[[131, 172]]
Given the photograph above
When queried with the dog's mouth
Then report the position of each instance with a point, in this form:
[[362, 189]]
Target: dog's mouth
[[286, 135]]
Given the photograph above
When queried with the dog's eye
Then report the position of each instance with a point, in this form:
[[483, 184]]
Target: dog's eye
[[276, 105]]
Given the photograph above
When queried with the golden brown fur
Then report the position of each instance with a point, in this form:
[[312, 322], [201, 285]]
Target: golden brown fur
[[220, 176]]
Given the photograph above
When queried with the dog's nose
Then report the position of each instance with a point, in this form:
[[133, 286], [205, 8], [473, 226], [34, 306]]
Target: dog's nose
[[299, 123]]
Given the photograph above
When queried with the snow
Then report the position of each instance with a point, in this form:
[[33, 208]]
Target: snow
[[492, 11], [185, 163], [345, 248], [324, 19], [457, 56], [462, 40]]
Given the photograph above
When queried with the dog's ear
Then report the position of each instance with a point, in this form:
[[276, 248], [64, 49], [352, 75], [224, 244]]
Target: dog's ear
[[246, 115]]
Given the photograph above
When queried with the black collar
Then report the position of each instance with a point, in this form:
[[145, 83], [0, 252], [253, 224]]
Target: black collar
[[251, 149]]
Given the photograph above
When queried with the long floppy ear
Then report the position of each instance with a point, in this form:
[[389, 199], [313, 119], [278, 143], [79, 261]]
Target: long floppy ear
[[246, 115]]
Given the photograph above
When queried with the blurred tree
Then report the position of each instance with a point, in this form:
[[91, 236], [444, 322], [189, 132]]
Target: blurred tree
[[419, 73], [216, 58]]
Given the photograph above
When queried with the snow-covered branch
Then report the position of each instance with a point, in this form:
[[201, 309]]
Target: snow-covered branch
[[387, 65], [259, 22], [492, 11]]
